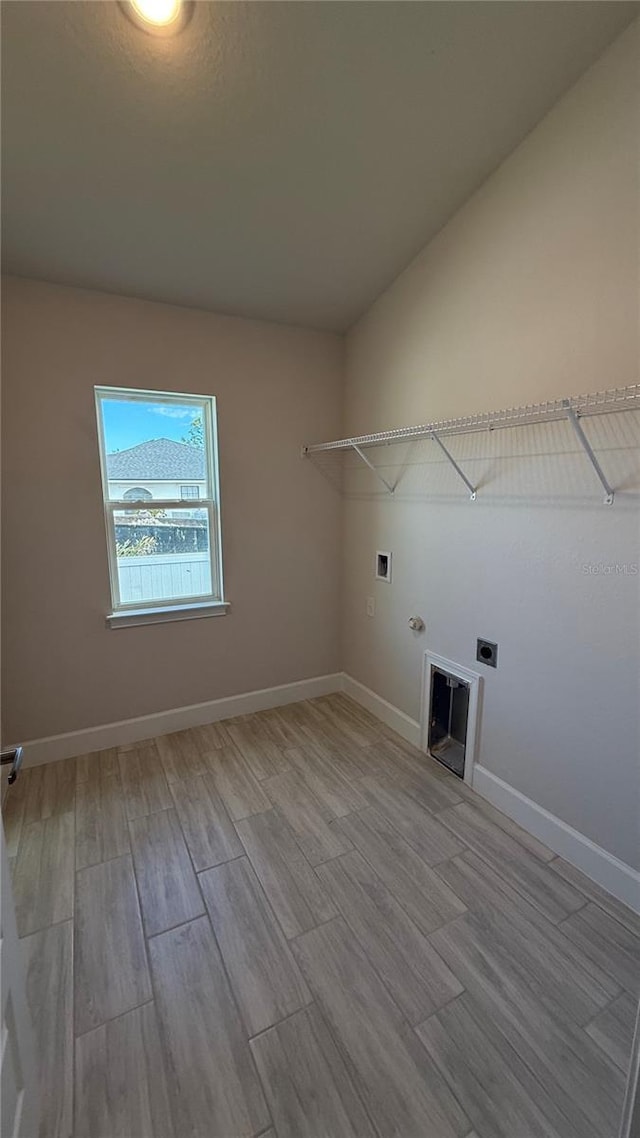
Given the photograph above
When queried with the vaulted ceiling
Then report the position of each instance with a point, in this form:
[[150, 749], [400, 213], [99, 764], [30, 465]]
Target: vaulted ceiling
[[277, 160]]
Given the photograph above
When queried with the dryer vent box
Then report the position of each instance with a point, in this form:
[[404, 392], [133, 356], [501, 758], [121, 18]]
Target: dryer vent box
[[487, 653], [383, 566], [448, 719]]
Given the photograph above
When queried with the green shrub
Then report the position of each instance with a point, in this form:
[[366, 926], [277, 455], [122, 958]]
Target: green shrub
[[138, 548]]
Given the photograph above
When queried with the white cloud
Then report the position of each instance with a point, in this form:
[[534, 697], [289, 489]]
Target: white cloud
[[173, 412]]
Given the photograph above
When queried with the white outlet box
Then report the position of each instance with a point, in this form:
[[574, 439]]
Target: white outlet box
[[371, 606]]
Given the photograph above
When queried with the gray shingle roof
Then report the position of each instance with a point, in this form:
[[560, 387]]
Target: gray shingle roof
[[158, 460]]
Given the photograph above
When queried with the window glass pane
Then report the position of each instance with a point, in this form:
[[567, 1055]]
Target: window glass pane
[[162, 555], [154, 448]]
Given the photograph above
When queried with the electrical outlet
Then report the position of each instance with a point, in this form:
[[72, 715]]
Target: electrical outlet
[[487, 653], [371, 606]]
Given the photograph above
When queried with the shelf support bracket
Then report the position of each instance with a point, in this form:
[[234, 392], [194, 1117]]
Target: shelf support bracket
[[586, 446], [367, 462], [473, 493]]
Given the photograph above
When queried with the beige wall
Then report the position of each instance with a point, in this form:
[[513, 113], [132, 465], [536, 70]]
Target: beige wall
[[529, 293], [277, 387]]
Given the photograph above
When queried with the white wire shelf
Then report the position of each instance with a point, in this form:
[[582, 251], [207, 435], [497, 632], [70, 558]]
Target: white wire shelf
[[571, 409], [597, 403]]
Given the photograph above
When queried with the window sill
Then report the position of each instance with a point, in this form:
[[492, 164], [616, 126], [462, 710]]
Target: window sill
[[129, 617]]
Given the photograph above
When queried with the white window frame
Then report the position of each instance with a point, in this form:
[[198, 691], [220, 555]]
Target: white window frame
[[154, 611]]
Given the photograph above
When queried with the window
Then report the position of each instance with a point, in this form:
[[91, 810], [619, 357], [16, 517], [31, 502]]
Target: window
[[157, 449], [138, 494]]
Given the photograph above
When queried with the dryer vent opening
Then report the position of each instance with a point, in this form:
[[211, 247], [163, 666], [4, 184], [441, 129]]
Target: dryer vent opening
[[449, 705]]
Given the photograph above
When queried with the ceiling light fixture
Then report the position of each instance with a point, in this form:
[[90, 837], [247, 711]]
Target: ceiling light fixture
[[160, 17]]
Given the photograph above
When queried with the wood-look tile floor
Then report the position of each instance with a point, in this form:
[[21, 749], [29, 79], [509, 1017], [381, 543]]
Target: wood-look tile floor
[[293, 924]]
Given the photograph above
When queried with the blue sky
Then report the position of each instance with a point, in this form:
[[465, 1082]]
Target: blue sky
[[127, 423]]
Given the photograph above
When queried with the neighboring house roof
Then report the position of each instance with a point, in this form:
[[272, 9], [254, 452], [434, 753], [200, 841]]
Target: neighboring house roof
[[158, 460]]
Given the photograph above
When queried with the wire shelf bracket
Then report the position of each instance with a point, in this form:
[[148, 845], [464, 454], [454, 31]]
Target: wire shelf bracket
[[375, 470], [473, 493], [572, 410], [574, 419]]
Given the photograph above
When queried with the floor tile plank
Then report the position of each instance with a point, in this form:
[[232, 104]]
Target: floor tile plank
[[238, 789], [308, 1087], [339, 716], [415, 774], [121, 1080], [279, 724], [13, 810], [43, 873], [608, 943], [265, 978], [208, 831], [211, 736], [431, 792], [585, 1086], [293, 890], [326, 781], [612, 1029], [99, 762], [110, 966], [307, 818], [428, 837], [599, 896], [428, 901], [101, 822], [143, 781], [50, 790], [496, 1089], [372, 1032], [48, 962], [169, 893], [497, 818], [435, 788], [357, 711], [213, 1086], [317, 736], [555, 898], [546, 955], [263, 757], [418, 979], [180, 755]]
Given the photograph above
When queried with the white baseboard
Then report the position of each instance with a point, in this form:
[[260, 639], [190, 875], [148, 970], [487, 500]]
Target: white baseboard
[[594, 861], [67, 746], [403, 724]]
